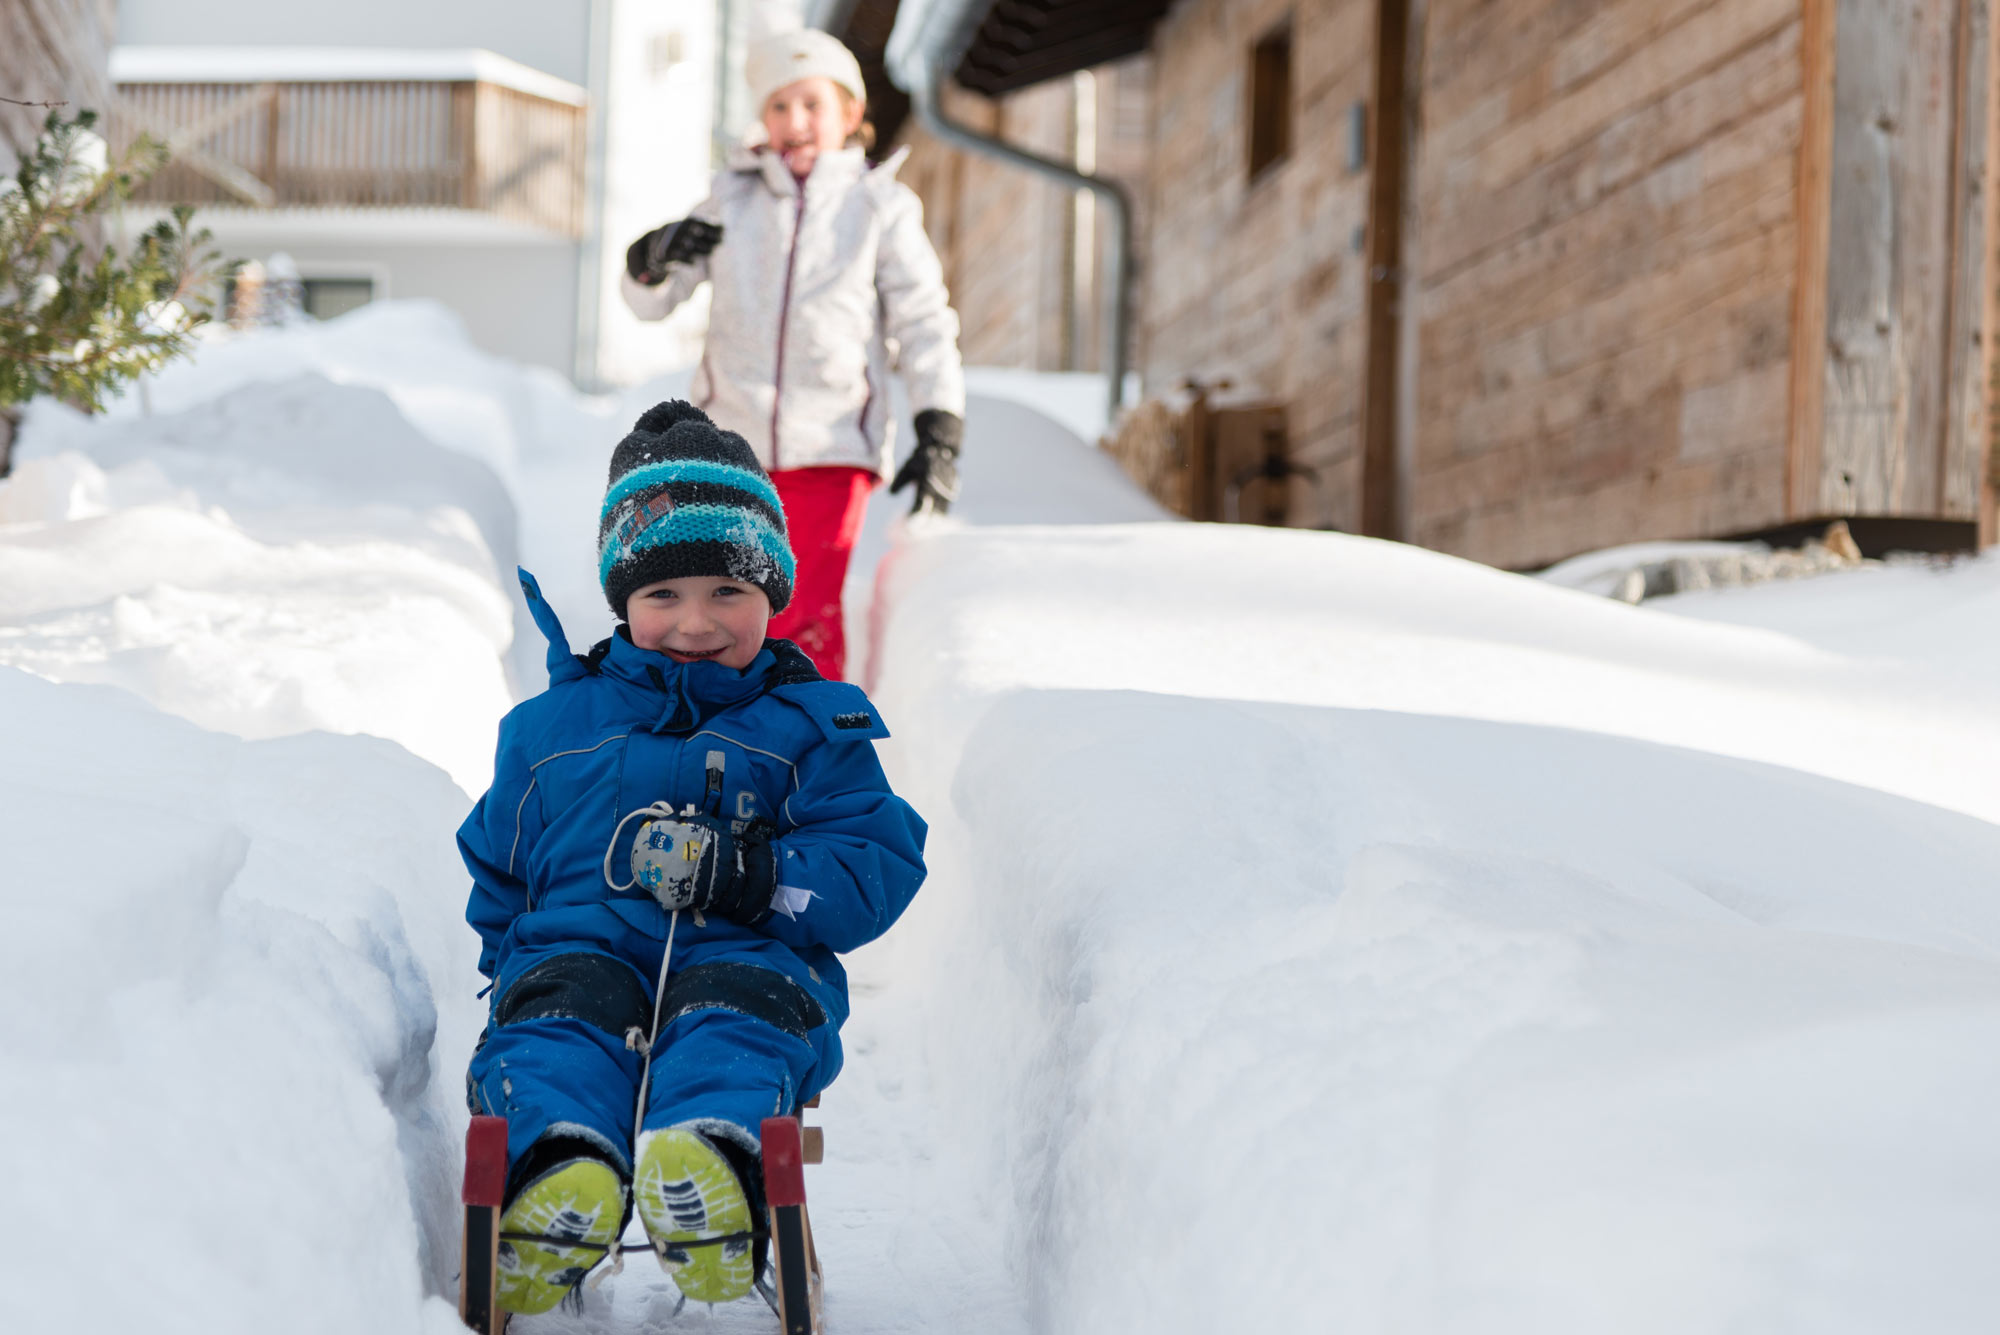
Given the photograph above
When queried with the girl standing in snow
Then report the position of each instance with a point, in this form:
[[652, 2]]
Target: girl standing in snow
[[818, 260]]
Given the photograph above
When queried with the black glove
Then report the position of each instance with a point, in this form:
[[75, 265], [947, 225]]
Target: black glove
[[676, 243], [734, 875], [932, 467]]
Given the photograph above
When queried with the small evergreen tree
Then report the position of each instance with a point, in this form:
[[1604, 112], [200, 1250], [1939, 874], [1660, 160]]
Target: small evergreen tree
[[76, 320]]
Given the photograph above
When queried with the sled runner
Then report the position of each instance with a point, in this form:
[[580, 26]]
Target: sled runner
[[791, 1284]]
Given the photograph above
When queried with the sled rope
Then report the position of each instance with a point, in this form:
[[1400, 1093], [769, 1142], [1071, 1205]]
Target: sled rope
[[634, 1040], [643, 1043]]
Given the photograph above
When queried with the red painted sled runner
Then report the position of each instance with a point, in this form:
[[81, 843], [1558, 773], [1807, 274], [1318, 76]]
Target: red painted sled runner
[[791, 1287]]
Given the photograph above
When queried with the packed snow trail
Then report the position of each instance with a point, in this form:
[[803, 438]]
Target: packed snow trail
[[1319, 932]]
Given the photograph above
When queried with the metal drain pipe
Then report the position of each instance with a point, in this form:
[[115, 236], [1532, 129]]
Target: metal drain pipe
[[926, 76]]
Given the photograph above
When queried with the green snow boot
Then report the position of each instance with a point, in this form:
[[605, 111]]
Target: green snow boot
[[686, 1192], [578, 1201]]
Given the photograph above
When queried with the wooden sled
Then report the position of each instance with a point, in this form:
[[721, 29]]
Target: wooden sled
[[793, 1291]]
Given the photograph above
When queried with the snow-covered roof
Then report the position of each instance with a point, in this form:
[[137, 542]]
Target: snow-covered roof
[[333, 64]]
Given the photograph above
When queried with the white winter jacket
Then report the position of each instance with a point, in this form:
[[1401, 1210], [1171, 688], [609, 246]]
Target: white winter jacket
[[820, 288]]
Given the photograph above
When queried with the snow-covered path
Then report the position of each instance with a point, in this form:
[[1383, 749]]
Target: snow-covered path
[[911, 1236], [1321, 933]]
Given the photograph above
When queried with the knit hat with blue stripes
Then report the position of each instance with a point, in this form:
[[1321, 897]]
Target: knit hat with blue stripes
[[688, 498]]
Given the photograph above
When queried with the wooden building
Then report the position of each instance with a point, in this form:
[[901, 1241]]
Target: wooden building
[[454, 175], [389, 129], [1513, 279]]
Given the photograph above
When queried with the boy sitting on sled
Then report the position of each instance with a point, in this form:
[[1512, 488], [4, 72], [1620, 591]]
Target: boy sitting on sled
[[682, 832]]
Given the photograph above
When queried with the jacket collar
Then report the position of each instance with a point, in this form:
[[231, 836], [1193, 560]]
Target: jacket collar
[[839, 168], [686, 694]]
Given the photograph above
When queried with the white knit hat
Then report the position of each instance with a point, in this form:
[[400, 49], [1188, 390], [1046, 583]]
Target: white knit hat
[[806, 54]]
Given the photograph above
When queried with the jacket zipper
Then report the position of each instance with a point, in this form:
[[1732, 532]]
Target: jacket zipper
[[784, 317], [867, 406]]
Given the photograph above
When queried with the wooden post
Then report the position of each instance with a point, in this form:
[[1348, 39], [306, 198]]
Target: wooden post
[[793, 1257], [483, 1192], [1805, 444], [1381, 504], [465, 142], [1202, 492], [1969, 345], [1989, 488], [1409, 295], [1889, 263], [270, 166]]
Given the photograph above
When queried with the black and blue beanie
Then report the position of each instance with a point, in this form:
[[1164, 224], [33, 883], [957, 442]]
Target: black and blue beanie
[[688, 498]]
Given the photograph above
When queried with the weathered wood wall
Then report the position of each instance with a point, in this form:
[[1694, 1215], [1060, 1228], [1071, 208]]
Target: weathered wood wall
[[1264, 282], [1607, 207], [1674, 268], [1000, 231], [1007, 237], [50, 51]]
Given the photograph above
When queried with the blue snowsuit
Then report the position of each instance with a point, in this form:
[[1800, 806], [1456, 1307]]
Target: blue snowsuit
[[750, 1016]]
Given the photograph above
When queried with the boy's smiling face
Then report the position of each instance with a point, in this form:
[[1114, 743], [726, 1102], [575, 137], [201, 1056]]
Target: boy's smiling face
[[808, 118], [699, 618]]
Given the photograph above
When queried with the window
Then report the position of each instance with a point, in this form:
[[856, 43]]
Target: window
[[324, 298], [1271, 100]]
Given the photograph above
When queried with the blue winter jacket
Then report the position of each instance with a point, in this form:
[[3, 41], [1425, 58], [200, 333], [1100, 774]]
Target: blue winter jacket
[[625, 727]]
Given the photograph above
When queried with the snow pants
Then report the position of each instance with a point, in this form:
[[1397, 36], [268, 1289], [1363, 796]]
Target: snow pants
[[737, 1043], [823, 512]]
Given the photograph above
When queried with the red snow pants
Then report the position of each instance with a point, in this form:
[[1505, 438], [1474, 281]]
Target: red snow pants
[[823, 510]]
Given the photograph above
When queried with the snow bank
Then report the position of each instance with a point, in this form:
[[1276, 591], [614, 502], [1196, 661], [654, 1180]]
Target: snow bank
[[218, 1024], [546, 443], [1074, 399], [237, 992], [1933, 619], [1326, 619], [1324, 927], [415, 351], [1023, 463], [286, 557]]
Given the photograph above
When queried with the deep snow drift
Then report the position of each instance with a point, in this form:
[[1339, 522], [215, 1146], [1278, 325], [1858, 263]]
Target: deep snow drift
[[1321, 934], [218, 1028], [286, 557], [1356, 938]]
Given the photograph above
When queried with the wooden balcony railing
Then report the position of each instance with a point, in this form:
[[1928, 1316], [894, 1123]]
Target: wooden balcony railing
[[375, 144]]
